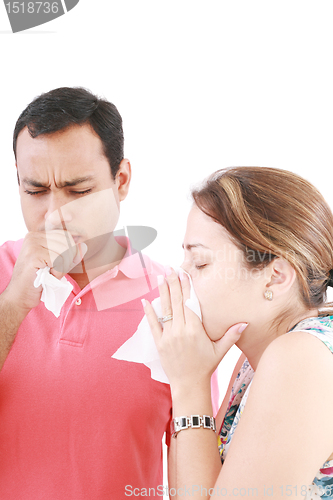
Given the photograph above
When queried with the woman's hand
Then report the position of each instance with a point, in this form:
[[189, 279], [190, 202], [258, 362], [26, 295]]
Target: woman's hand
[[187, 354]]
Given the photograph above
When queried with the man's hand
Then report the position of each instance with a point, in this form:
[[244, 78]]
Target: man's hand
[[55, 249]]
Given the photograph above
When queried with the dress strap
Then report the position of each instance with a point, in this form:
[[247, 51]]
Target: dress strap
[[321, 327]]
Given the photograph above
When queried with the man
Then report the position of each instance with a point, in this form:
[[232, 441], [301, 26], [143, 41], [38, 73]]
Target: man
[[75, 423]]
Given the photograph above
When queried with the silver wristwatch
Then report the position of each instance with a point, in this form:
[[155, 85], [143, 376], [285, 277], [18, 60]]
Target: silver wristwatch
[[193, 422]]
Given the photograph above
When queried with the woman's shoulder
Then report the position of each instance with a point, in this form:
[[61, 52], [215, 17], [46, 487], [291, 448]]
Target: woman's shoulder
[[294, 377], [289, 406], [300, 360], [302, 341], [300, 345], [320, 327]]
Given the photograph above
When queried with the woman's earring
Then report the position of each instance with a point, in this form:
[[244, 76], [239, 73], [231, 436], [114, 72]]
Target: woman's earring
[[268, 295]]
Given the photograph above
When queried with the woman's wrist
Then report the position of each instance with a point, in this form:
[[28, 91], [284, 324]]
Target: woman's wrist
[[193, 399], [191, 388]]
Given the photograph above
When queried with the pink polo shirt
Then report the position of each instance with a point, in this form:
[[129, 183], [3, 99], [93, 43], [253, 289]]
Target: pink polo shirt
[[74, 422]]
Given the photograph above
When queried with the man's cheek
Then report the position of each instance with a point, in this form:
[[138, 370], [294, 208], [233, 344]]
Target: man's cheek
[[34, 220]]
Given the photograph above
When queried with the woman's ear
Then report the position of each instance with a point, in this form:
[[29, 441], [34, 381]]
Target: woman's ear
[[282, 276]]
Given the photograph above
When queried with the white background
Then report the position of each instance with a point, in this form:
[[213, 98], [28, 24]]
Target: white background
[[200, 86]]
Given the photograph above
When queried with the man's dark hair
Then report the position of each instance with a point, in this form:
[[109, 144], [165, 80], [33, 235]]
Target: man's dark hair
[[66, 106]]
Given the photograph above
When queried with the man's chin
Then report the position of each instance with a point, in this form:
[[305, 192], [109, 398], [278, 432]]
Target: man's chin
[[77, 238], [96, 255], [78, 269]]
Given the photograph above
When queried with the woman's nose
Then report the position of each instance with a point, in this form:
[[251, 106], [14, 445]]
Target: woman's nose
[[185, 265]]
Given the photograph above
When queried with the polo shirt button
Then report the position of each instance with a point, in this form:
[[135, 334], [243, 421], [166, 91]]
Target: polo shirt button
[[78, 302]]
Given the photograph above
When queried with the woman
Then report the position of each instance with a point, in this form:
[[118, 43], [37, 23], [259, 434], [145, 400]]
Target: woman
[[259, 249]]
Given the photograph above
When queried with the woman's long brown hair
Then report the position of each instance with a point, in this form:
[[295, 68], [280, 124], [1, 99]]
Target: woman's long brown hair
[[271, 212]]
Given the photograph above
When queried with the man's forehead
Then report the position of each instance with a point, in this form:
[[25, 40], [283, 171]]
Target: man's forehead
[[65, 159]]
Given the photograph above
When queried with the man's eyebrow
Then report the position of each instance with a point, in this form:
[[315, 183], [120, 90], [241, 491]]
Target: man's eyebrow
[[79, 180], [73, 182], [194, 245]]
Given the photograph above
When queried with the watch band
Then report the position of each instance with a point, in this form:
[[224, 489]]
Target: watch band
[[192, 422]]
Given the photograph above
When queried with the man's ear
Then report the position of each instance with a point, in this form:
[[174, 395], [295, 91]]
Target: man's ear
[[282, 276], [123, 178]]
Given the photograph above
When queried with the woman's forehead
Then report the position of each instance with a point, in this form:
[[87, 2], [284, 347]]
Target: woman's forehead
[[203, 232]]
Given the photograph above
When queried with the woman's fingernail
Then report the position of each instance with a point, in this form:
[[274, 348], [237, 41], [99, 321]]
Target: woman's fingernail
[[160, 279], [143, 302], [242, 327], [168, 270]]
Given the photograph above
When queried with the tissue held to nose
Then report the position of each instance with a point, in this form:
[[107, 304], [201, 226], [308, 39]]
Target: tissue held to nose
[[141, 347]]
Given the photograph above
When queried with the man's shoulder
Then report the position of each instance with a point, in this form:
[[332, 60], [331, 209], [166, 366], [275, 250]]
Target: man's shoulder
[[153, 269], [156, 267], [10, 250]]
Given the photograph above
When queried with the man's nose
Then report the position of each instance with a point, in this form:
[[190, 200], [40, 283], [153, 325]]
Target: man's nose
[[58, 213]]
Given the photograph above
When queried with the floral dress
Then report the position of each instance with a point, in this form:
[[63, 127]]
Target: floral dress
[[322, 485]]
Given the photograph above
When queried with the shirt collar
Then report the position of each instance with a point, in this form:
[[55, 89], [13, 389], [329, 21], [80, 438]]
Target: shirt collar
[[134, 264]]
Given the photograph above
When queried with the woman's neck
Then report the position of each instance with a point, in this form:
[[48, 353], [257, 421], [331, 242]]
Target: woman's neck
[[258, 337]]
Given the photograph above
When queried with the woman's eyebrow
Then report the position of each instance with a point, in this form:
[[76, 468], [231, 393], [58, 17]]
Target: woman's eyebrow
[[194, 245]]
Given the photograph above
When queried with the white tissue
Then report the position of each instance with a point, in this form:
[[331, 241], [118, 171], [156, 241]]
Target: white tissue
[[55, 292], [141, 348]]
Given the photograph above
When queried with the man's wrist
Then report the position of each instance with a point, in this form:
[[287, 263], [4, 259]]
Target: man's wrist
[[10, 304]]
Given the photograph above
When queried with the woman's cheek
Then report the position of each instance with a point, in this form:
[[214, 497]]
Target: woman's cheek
[[209, 320]]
